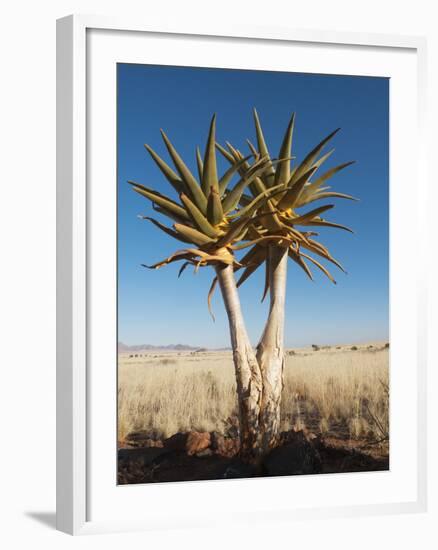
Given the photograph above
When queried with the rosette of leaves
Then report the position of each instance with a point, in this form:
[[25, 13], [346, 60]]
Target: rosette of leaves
[[204, 213], [280, 219]]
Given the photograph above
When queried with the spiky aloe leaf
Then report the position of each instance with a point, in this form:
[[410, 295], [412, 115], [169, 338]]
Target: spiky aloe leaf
[[183, 268], [190, 182], [325, 223], [222, 256], [319, 162], [237, 155], [233, 231], [209, 174], [232, 199], [319, 266], [328, 195], [309, 185], [237, 230], [291, 197], [256, 262], [226, 178], [169, 214], [225, 153], [282, 172], [194, 236], [175, 257], [267, 284], [252, 149], [242, 235], [199, 163], [315, 186], [197, 258], [263, 149], [308, 216], [198, 217], [309, 160], [299, 261], [215, 211], [318, 248], [166, 229], [247, 258], [210, 295], [257, 186], [169, 174], [159, 199], [270, 219], [279, 239], [298, 236], [258, 202], [330, 173]]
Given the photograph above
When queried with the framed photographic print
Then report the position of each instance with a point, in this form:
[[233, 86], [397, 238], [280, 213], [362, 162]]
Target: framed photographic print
[[240, 295]]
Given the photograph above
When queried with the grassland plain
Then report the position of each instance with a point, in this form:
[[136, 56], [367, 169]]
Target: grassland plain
[[339, 392]]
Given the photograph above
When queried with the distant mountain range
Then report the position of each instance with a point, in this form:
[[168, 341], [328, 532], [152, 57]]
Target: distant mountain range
[[172, 347]]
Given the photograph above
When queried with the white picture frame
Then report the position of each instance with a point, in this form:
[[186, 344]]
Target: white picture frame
[[75, 392]]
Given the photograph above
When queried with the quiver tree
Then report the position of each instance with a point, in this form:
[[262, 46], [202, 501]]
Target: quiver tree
[[207, 223], [278, 235], [214, 220]]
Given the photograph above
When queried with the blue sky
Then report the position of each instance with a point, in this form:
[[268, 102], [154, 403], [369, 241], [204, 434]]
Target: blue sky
[[158, 308]]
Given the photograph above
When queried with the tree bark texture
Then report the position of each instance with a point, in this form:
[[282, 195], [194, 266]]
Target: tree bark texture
[[247, 370], [270, 350]]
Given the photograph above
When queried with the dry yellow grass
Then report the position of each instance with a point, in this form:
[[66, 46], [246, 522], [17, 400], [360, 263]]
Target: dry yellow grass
[[333, 390]]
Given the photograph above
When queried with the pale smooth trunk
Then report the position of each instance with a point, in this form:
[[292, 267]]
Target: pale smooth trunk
[[270, 350], [248, 376]]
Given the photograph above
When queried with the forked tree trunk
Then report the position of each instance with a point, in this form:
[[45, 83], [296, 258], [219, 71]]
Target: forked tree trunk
[[248, 376], [270, 350]]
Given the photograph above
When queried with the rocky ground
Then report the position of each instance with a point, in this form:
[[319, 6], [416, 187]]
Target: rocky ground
[[191, 456]]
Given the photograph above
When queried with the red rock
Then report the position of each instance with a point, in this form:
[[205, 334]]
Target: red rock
[[226, 446], [197, 442]]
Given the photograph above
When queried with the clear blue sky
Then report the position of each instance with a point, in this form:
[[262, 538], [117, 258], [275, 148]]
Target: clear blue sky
[[158, 308]]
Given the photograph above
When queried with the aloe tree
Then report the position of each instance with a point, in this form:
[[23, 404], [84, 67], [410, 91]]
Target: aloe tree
[[216, 219], [207, 223], [277, 235]]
